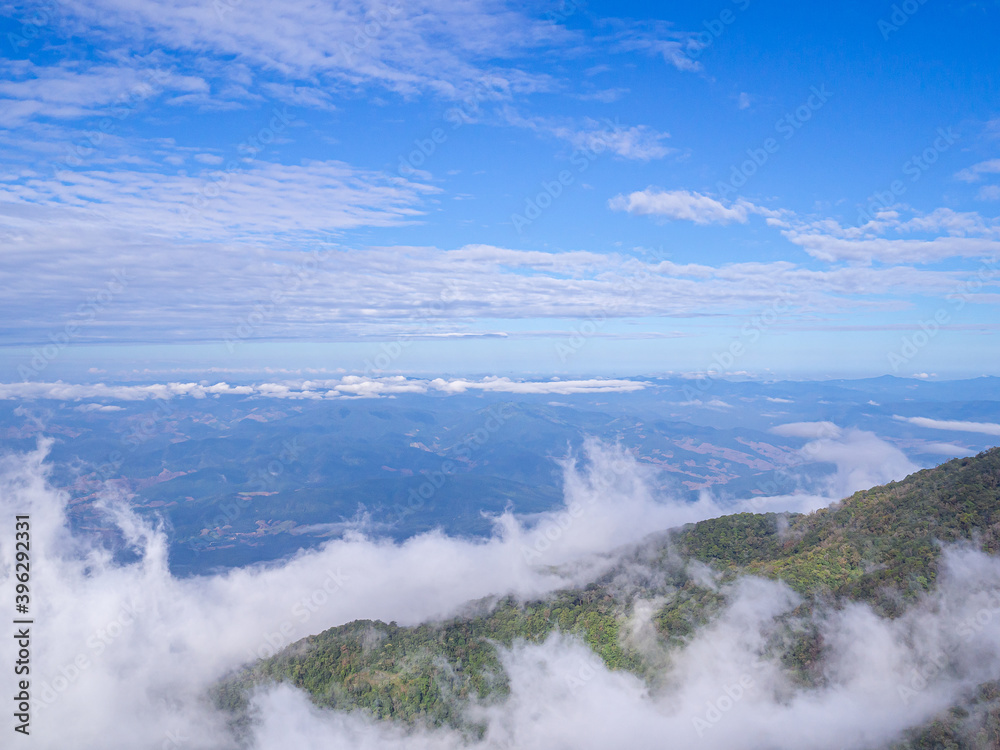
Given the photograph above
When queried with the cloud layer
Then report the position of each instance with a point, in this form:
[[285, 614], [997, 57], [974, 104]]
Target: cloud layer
[[349, 386]]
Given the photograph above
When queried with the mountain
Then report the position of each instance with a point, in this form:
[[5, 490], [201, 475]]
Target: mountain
[[882, 547]]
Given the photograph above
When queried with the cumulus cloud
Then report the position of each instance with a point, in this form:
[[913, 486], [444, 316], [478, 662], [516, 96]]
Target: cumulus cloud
[[505, 385], [989, 193], [348, 386], [682, 204], [724, 688], [985, 428], [892, 250], [892, 234], [98, 407], [863, 460]]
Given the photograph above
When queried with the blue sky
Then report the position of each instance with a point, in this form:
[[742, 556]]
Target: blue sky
[[778, 189]]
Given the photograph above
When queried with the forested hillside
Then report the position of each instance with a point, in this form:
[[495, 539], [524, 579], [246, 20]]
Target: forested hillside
[[881, 546]]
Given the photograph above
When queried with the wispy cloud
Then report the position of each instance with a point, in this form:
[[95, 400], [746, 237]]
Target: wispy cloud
[[976, 171], [407, 48], [246, 196], [656, 39], [639, 142], [986, 428], [73, 90]]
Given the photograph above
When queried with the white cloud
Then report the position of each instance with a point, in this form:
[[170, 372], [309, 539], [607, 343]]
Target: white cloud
[[810, 430], [862, 459], [945, 449], [72, 90], [594, 138], [143, 635], [948, 221], [976, 171], [355, 386], [95, 407], [681, 204], [246, 196], [887, 237], [505, 385], [723, 689], [338, 293], [408, 48], [657, 39], [387, 293], [835, 249], [985, 428]]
